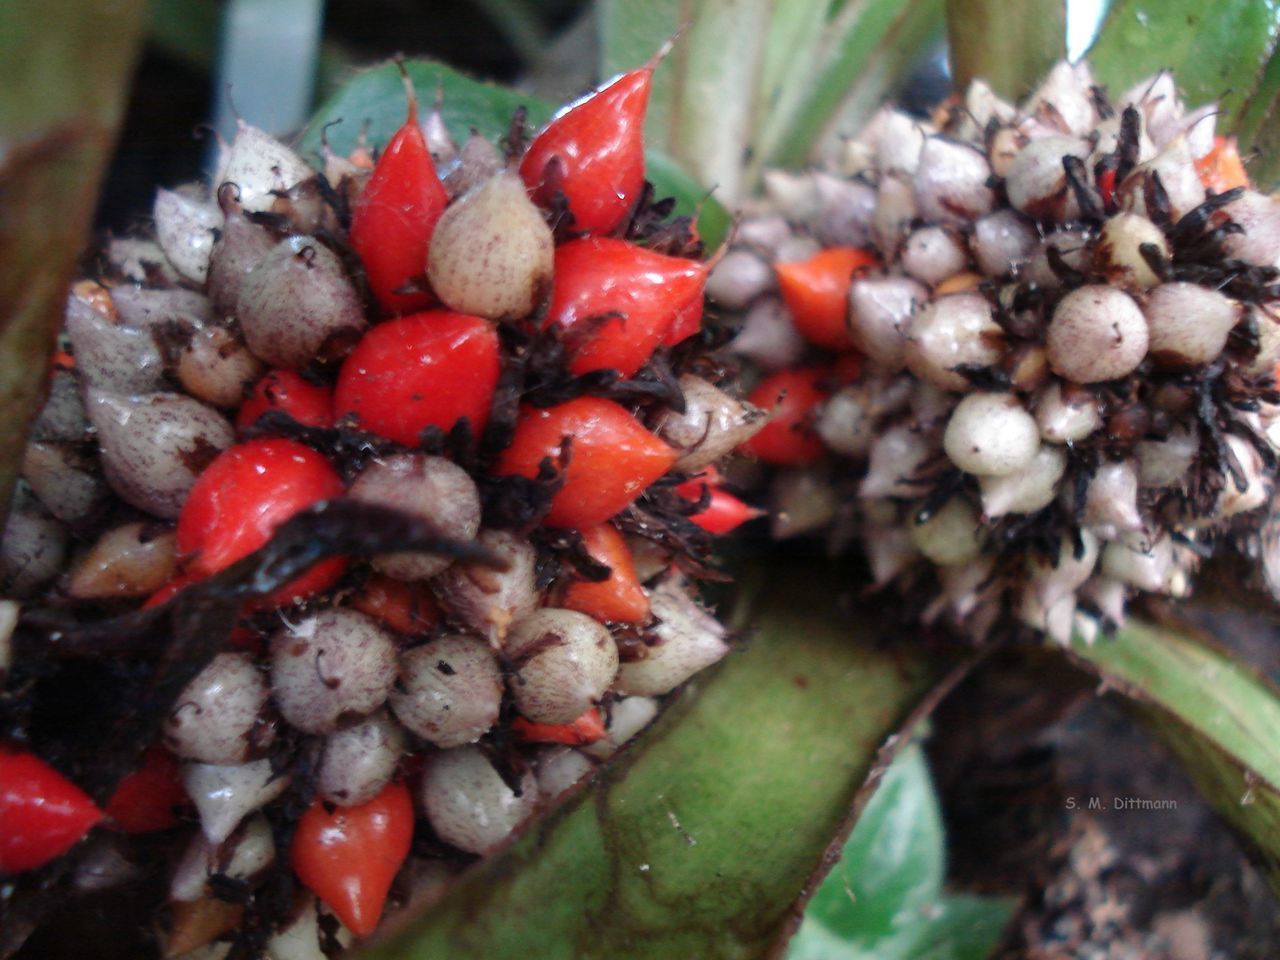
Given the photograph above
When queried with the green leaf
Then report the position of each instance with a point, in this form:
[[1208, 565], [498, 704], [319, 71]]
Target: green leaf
[[670, 180], [374, 102], [702, 106], [1258, 127], [1217, 51], [64, 75], [1009, 45], [696, 841], [851, 67], [1217, 715], [755, 84], [884, 900]]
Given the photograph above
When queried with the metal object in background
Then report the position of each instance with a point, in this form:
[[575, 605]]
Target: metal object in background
[[267, 64]]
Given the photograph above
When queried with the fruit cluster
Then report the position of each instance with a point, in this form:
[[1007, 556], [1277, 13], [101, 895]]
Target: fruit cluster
[[1070, 317], [510, 357]]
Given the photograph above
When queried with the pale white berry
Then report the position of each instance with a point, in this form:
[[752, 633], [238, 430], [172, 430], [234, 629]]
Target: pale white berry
[[950, 535], [219, 718], [949, 332], [684, 639], [1027, 490], [334, 665], [562, 661], [469, 804], [1119, 251], [880, 309], [492, 252], [1097, 333], [1066, 413], [1189, 324], [449, 690], [952, 182], [991, 435]]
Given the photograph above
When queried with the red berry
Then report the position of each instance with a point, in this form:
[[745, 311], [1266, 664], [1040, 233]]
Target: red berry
[[588, 728], [788, 438], [42, 813], [592, 152], [687, 322], [170, 590], [613, 458], [723, 513], [816, 292], [249, 490], [426, 370], [348, 856], [148, 799], [394, 218], [620, 598], [617, 301], [407, 608], [285, 390]]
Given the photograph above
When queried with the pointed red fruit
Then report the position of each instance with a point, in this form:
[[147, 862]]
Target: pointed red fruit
[[788, 439], [243, 495], [723, 512], [816, 292], [394, 218], [426, 370], [42, 813], [348, 856], [613, 459], [592, 153], [588, 728], [284, 390], [620, 598], [149, 798], [617, 301]]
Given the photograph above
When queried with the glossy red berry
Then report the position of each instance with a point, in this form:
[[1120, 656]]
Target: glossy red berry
[[619, 598], [687, 322], [616, 302], [788, 438], [592, 153], [613, 458], [348, 856], [588, 728], [426, 370], [816, 292], [723, 512], [149, 798], [42, 813], [309, 404], [240, 499], [394, 218]]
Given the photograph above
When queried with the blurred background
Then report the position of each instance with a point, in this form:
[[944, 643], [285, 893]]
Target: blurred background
[[272, 61]]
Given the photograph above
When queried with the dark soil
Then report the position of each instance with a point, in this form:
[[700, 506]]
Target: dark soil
[[1057, 795]]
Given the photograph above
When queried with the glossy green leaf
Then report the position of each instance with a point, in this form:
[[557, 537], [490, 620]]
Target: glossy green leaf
[[64, 75], [1217, 715], [697, 840], [885, 899], [373, 102], [1218, 51], [1009, 45]]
